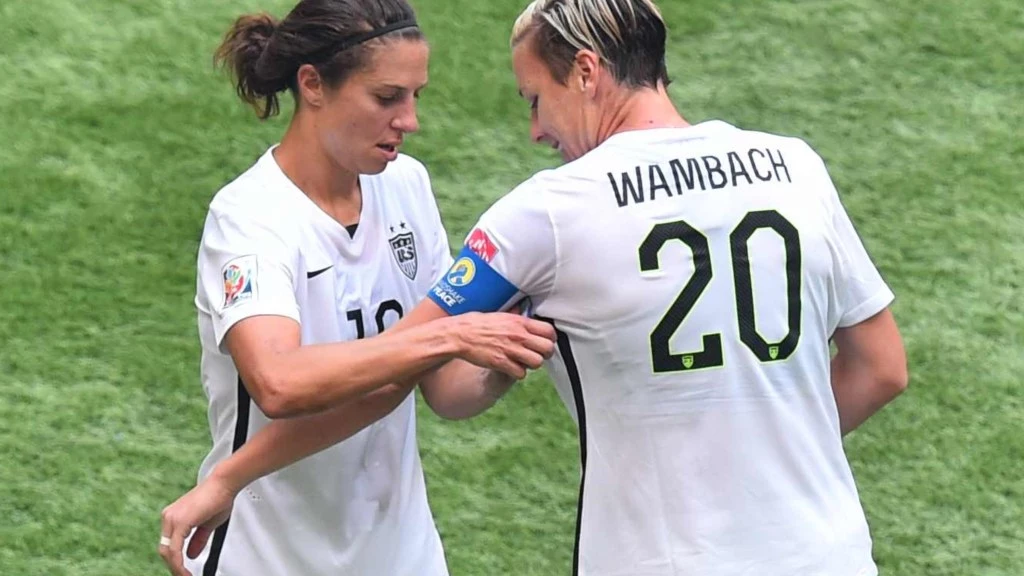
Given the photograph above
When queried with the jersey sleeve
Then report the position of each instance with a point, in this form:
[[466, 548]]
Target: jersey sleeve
[[860, 291], [510, 254], [245, 269]]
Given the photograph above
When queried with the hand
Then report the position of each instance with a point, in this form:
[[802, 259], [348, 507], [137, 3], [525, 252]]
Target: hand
[[203, 508], [508, 343]]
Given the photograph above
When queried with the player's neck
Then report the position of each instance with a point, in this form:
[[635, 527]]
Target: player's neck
[[331, 187], [643, 109]]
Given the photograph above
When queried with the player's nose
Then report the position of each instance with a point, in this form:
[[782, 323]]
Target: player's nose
[[407, 121], [536, 134]]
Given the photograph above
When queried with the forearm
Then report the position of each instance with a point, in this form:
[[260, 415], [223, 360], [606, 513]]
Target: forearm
[[460, 390], [858, 393], [286, 441], [311, 379]]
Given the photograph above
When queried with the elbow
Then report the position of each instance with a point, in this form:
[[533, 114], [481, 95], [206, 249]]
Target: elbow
[[455, 414], [455, 410], [275, 397], [443, 409], [277, 406], [895, 380], [452, 407], [900, 381]]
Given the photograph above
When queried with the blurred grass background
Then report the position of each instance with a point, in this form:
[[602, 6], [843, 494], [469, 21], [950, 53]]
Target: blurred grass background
[[117, 131]]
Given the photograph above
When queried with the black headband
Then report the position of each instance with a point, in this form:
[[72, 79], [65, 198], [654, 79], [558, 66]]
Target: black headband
[[351, 41]]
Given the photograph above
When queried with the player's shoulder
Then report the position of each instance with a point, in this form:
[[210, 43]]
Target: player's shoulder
[[260, 194], [796, 151], [549, 191], [794, 144], [530, 193], [804, 166], [524, 206], [572, 177]]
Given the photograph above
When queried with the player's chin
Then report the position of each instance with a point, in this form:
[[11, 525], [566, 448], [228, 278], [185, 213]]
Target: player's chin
[[376, 165]]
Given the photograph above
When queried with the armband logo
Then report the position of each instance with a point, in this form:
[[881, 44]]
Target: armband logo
[[462, 272], [480, 243]]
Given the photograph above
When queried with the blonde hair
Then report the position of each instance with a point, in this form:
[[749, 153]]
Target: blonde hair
[[618, 31]]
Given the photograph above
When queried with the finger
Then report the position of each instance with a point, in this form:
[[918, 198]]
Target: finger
[[510, 368], [181, 531], [197, 543], [543, 329], [165, 529], [540, 345], [526, 358], [176, 530]]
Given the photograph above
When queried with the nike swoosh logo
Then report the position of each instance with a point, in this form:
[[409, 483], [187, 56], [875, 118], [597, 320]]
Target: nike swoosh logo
[[316, 273]]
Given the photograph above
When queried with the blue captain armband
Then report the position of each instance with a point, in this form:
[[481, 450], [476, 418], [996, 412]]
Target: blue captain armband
[[471, 285]]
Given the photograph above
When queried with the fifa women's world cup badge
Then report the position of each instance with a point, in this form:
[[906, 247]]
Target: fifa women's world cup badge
[[239, 280]]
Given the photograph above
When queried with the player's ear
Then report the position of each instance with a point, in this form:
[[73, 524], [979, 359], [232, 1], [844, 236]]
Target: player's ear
[[311, 85], [587, 70]]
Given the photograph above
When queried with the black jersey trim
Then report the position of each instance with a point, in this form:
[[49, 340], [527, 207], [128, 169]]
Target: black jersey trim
[[573, 372], [241, 435]]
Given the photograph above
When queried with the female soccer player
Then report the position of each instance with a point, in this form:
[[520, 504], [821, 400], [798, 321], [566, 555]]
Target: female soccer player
[[329, 238], [696, 357]]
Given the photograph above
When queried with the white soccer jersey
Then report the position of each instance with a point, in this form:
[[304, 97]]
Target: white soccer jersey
[[359, 507], [695, 277]]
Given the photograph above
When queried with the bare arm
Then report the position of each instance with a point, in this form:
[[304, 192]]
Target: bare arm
[[286, 441], [503, 336], [459, 389], [279, 444], [286, 379], [497, 338], [282, 442], [869, 370]]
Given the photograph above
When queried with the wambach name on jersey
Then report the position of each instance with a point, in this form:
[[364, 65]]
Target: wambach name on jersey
[[704, 172]]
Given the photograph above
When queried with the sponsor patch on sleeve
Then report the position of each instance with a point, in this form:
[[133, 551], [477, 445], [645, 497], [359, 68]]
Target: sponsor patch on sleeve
[[471, 285], [239, 280], [482, 245]]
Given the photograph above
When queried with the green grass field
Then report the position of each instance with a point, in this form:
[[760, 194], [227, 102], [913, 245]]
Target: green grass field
[[116, 132]]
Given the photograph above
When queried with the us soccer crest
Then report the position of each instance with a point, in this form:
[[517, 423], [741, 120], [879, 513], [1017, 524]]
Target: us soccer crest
[[403, 247]]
